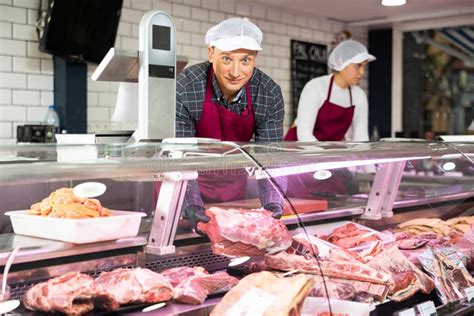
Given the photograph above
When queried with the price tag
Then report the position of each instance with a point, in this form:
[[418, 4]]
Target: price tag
[[407, 312], [469, 294], [427, 309]]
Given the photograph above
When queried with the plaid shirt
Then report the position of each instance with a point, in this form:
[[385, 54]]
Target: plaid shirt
[[267, 102]]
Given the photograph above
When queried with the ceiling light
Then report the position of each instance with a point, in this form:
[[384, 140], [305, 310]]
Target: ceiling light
[[393, 3]]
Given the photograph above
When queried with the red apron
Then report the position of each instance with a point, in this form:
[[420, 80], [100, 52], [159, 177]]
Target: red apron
[[332, 123], [221, 123]]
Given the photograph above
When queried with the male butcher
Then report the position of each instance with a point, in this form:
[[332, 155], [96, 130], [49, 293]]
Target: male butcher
[[229, 99]]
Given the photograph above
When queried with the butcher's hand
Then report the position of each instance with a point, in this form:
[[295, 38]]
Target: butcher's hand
[[196, 214], [276, 209]]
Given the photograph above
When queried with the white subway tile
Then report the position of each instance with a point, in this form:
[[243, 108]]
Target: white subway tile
[[285, 63], [47, 98], [12, 14], [26, 97], [258, 11], [191, 52], [183, 37], [325, 25], [265, 26], [40, 82], [279, 28], [192, 3], [293, 31], [216, 17], [7, 2], [32, 4], [301, 21], [161, 5], [306, 34], [98, 86], [288, 18], [337, 27], [242, 9], [5, 63], [124, 29], [204, 27], [197, 40], [130, 43], [6, 130], [285, 85], [135, 30], [285, 41], [319, 37], [47, 67], [33, 51], [270, 38], [36, 114], [32, 15], [28, 65], [12, 113], [227, 6], [210, 4], [12, 80], [273, 14], [12, 47], [144, 5], [203, 54], [127, 4], [192, 26], [95, 114], [314, 23], [279, 51], [92, 98], [5, 30], [132, 16], [280, 74], [7, 141], [200, 14], [181, 10], [5, 96], [113, 87], [107, 99]]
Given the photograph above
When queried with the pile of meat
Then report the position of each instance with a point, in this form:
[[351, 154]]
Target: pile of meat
[[245, 232], [350, 236], [75, 293], [63, 203]]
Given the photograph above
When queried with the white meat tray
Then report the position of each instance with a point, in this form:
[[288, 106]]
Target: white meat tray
[[120, 224], [314, 305], [326, 229]]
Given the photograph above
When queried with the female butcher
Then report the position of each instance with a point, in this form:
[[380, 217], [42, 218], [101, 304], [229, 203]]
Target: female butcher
[[332, 105], [329, 107]]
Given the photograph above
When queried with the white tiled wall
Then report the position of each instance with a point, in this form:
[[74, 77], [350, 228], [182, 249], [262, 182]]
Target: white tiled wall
[[26, 74]]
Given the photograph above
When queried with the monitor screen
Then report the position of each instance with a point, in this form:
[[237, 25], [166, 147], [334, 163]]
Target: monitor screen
[[161, 37], [82, 30]]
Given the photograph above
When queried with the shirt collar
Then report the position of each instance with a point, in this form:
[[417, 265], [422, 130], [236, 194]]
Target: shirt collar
[[220, 96]]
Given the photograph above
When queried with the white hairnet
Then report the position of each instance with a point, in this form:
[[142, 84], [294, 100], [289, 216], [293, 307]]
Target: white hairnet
[[348, 52], [235, 33]]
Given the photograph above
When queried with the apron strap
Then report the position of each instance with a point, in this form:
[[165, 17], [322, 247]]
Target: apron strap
[[330, 90]]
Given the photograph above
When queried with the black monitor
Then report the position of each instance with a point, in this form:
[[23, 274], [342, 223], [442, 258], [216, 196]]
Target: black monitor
[[81, 30]]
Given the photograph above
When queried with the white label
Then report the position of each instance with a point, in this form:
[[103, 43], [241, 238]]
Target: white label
[[253, 303], [427, 309], [407, 312], [469, 294]]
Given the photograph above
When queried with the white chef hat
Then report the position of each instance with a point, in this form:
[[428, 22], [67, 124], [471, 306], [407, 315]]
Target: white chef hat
[[348, 52], [235, 33]]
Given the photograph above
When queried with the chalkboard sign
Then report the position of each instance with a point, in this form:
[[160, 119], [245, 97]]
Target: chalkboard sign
[[308, 61]]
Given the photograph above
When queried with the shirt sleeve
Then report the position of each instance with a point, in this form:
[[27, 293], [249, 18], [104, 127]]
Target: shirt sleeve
[[270, 128], [360, 132], [309, 104], [185, 125]]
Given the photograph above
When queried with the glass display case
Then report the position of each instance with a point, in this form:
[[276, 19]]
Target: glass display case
[[378, 185]]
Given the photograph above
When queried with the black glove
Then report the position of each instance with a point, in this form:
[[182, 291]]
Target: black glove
[[196, 214], [276, 209]]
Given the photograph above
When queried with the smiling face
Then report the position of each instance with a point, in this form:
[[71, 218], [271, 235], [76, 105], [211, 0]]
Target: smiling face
[[233, 69], [353, 73]]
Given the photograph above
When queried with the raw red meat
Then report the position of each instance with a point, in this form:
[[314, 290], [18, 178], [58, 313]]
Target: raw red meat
[[338, 269], [135, 285], [245, 232], [195, 289], [350, 236], [72, 293], [177, 275]]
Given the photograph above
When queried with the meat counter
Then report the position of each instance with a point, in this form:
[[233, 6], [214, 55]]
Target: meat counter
[[378, 185]]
